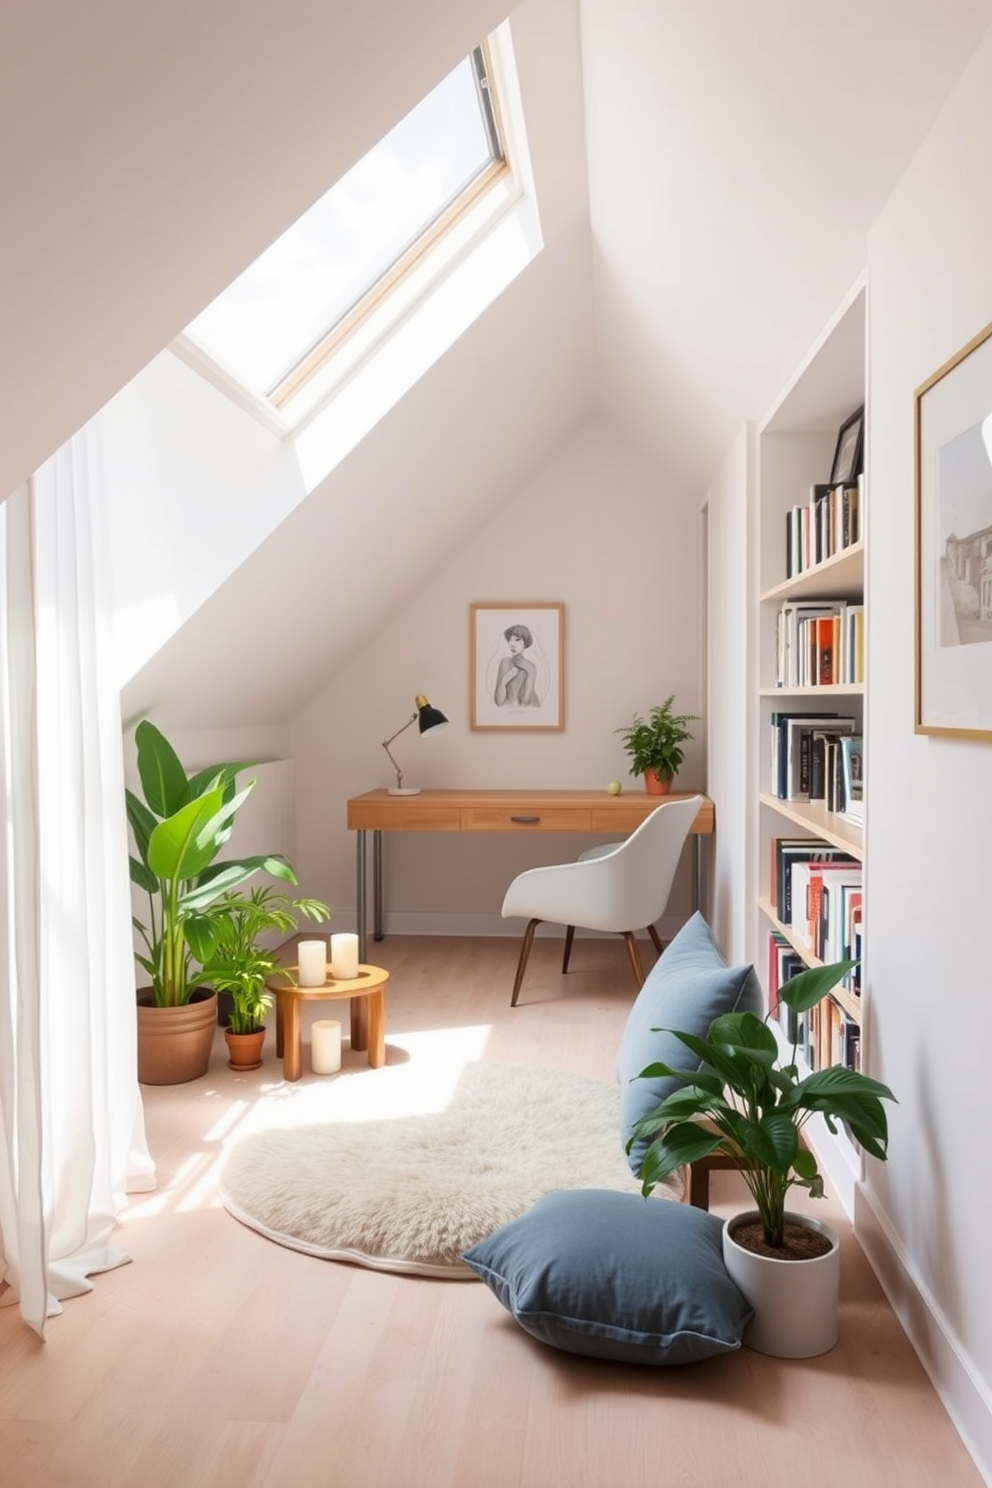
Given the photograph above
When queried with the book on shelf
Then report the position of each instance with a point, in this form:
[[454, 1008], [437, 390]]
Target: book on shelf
[[803, 629], [824, 744], [826, 523], [829, 1036], [852, 773], [853, 647], [799, 751], [832, 925], [784, 962], [809, 907], [792, 638], [778, 774], [788, 850], [819, 643]]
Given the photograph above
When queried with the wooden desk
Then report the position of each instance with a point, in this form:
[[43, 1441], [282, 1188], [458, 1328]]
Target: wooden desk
[[522, 811]]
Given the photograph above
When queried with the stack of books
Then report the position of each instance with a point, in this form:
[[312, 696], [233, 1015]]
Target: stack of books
[[817, 894], [830, 521], [826, 1034], [819, 643]]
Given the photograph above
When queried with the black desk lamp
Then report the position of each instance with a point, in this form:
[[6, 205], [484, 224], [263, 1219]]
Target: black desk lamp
[[430, 720]]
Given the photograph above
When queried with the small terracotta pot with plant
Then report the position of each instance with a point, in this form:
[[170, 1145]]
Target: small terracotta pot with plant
[[655, 745], [242, 963]]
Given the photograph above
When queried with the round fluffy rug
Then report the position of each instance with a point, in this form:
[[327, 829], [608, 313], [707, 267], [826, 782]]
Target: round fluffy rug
[[411, 1193]]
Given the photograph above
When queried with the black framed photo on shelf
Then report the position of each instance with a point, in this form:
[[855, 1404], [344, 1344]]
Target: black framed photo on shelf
[[850, 451]]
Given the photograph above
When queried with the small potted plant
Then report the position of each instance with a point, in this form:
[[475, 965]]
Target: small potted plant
[[755, 1108], [654, 745], [241, 964]]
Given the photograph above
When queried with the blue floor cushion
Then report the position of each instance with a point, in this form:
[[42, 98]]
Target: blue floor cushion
[[689, 985], [615, 1276]]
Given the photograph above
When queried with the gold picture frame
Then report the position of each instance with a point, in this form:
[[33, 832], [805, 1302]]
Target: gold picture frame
[[517, 666], [953, 582]]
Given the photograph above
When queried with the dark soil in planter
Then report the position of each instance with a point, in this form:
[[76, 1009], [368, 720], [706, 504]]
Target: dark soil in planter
[[799, 1242]]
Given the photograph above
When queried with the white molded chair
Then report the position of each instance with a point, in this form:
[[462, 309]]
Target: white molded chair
[[622, 887]]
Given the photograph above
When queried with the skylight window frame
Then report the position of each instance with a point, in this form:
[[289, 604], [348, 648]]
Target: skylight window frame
[[499, 167]]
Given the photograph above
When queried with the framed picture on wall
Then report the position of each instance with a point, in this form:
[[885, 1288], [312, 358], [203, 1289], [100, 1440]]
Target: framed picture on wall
[[517, 663], [953, 428]]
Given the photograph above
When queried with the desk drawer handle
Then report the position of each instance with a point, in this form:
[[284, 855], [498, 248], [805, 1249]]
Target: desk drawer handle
[[525, 821]]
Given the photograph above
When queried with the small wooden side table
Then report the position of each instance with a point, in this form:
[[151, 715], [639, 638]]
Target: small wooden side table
[[368, 1015]]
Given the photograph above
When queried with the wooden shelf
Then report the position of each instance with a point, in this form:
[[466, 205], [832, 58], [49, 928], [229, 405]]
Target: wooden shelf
[[835, 689], [839, 577], [843, 998], [820, 822]]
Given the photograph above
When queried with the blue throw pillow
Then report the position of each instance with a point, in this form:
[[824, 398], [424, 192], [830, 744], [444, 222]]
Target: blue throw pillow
[[688, 986], [609, 1274]]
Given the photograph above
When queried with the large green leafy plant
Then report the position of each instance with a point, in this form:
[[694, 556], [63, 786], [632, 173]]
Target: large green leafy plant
[[655, 743], [758, 1106], [179, 829], [240, 964]]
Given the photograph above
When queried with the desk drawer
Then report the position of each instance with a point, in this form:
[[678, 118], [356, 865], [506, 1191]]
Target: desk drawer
[[403, 814], [525, 819]]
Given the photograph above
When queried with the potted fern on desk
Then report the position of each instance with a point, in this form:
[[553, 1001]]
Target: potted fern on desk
[[737, 1097], [655, 745]]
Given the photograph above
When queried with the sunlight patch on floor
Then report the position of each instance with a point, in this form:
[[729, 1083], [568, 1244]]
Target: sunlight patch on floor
[[420, 1076]]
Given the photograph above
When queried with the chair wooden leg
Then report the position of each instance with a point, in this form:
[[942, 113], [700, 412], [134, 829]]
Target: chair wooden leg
[[524, 954], [566, 953], [656, 938], [635, 959]]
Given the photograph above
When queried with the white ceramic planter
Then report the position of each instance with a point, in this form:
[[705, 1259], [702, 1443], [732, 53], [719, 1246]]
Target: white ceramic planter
[[795, 1302]]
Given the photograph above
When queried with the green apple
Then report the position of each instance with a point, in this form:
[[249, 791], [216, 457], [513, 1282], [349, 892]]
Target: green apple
[[614, 788]]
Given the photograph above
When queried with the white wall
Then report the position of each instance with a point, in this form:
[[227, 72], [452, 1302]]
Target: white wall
[[926, 1215], [194, 484], [594, 529], [730, 604]]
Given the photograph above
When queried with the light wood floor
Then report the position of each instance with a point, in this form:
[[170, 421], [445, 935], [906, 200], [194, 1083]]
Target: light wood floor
[[220, 1360]]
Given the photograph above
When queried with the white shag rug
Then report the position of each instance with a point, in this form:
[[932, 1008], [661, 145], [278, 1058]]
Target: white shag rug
[[411, 1193]]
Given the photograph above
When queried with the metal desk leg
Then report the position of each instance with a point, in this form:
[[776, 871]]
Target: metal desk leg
[[360, 892], [697, 872], [377, 885]]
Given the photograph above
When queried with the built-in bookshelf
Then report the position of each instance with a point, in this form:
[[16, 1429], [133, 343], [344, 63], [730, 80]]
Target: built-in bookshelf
[[811, 626]]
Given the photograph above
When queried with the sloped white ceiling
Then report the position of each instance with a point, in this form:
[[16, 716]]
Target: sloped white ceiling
[[738, 153], [149, 151], [354, 553]]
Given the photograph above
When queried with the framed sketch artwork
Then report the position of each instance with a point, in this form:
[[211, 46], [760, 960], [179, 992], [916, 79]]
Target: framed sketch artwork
[[517, 660], [954, 545]]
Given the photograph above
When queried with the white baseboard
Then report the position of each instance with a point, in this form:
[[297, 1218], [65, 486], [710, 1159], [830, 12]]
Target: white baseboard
[[951, 1372], [402, 923]]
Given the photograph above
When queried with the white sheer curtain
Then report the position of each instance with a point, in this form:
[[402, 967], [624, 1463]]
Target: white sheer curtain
[[71, 1126]]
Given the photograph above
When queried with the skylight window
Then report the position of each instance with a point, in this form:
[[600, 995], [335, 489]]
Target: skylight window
[[279, 323]]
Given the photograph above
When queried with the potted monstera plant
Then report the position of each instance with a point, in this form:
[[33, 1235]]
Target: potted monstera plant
[[739, 1097], [242, 964], [179, 825], [655, 745]]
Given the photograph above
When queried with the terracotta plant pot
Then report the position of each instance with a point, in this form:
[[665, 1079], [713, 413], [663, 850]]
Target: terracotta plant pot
[[245, 1049], [654, 785], [174, 1043]]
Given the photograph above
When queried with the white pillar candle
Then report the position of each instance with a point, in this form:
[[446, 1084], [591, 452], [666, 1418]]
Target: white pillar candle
[[313, 963], [325, 1046], [344, 957]]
